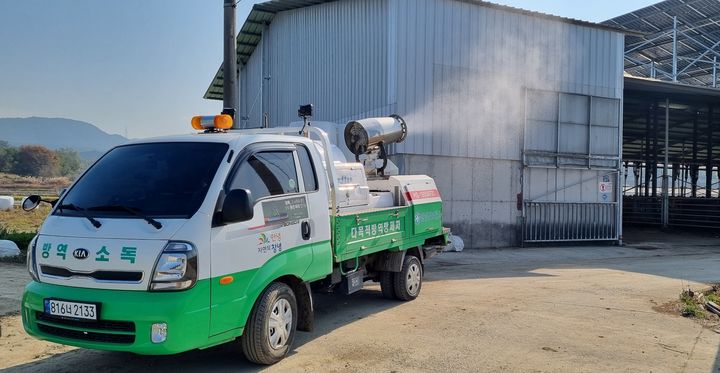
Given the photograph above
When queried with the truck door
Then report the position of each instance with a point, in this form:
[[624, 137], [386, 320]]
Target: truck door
[[316, 189], [278, 240]]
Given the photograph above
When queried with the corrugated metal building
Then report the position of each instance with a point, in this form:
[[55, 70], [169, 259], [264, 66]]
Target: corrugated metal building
[[515, 114]]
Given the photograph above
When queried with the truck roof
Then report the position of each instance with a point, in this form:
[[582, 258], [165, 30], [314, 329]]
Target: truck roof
[[231, 137]]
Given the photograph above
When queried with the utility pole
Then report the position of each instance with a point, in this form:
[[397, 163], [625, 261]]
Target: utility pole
[[230, 90]]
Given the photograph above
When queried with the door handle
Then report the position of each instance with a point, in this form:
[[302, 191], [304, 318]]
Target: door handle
[[305, 230]]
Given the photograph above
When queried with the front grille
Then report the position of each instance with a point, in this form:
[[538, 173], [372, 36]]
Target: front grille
[[120, 326], [125, 276], [86, 336]]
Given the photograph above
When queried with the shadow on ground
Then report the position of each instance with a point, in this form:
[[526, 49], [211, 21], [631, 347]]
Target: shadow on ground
[[645, 253], [332, 312]]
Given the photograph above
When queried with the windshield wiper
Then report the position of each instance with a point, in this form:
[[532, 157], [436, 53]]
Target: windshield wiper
[[83, 212], [133, 210]]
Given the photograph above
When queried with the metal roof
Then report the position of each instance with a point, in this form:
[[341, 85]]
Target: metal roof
[[251, 33], [691, 26], [263, 13], [693, 122]]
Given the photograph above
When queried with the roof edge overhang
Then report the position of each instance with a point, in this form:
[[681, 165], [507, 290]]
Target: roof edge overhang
[[656, 86], [250, 35]]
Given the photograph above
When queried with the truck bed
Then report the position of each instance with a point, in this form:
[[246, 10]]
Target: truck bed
[[394, 228]]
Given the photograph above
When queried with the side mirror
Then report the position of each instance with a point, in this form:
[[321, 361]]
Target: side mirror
[[238, 206], [31, 202]]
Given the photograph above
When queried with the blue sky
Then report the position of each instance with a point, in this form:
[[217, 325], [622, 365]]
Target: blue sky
[[141, 66]]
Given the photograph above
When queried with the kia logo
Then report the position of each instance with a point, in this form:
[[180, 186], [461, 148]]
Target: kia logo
[[80, 253]]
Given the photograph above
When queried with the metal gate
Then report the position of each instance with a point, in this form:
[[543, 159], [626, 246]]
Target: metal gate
[[571, 173], [562, 221]]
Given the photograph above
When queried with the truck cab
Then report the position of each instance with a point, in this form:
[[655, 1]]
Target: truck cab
[[177, 243]]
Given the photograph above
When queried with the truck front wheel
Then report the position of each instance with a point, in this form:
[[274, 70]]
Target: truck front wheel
[[270, 330], [409, 280]]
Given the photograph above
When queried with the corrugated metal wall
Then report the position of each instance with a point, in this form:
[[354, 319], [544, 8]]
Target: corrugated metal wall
[[333, 55], [458, 72], [250, 86], [463, 70], [463, 74]]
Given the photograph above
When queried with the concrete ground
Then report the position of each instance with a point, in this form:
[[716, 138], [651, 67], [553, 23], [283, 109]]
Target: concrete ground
[[550, 309]]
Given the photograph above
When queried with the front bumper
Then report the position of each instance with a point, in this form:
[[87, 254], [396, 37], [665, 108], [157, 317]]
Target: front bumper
[[125, 318]]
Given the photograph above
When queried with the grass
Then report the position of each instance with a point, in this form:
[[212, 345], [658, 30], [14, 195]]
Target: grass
[[17, 220], [49, 185], [692, 310], [20, 227], [690, 306], [712, 297]]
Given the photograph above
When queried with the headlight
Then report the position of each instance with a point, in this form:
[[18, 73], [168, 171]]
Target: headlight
[[176, 268], [30, 259]]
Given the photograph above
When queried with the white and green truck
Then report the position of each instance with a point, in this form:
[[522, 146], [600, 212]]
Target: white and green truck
[[177, 243]]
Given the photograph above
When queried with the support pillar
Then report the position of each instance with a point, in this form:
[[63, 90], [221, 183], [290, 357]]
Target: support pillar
[[646, 170], [709, 159], [665, 190], [674, 50], [694, 165], [655, 150], [676, 172]]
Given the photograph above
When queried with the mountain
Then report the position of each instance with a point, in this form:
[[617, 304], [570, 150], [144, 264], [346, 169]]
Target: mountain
[[55, 133]]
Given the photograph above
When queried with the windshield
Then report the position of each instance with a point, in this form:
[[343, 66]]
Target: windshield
[[165, 180]]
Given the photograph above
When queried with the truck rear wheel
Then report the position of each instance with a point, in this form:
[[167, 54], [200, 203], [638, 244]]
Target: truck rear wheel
[[408, 281], [270, 330], [387, 284]]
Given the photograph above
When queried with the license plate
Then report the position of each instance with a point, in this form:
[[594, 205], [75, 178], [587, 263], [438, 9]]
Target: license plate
[[75, 310]]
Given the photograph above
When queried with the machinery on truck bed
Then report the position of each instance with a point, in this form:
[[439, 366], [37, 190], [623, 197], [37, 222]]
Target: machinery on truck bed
[[170, 244]]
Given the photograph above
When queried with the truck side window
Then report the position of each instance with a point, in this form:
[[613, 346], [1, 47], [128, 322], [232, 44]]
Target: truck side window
[[267, 173], [308, 169]]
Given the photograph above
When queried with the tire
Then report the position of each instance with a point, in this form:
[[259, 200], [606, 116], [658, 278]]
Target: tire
[[387, 285], [408, 281], [261, 343]]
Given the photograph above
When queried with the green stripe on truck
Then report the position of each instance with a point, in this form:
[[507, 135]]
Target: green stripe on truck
[[206, 315]]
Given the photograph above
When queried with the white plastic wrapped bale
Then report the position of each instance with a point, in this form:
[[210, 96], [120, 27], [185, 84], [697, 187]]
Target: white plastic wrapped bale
[[6, 203], [8, 249], [456, 243]]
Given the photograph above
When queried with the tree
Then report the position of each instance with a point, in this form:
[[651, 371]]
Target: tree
[[69, 161], [36, 160], [7, 156]]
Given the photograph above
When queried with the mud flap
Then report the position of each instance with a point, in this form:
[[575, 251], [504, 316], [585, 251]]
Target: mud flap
[[306, 318]]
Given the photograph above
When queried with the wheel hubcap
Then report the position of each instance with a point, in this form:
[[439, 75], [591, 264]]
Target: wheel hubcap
[[413, 279], [280, 323]]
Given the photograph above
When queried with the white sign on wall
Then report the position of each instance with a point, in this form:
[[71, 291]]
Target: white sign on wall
[[605, 189]]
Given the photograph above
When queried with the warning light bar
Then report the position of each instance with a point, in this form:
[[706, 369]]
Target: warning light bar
[[210, 122]]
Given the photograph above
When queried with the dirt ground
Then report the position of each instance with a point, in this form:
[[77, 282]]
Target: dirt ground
[[587, 308]]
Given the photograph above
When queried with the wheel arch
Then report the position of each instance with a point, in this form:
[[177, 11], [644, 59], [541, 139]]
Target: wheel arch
[[303, 296], [417, 252]]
